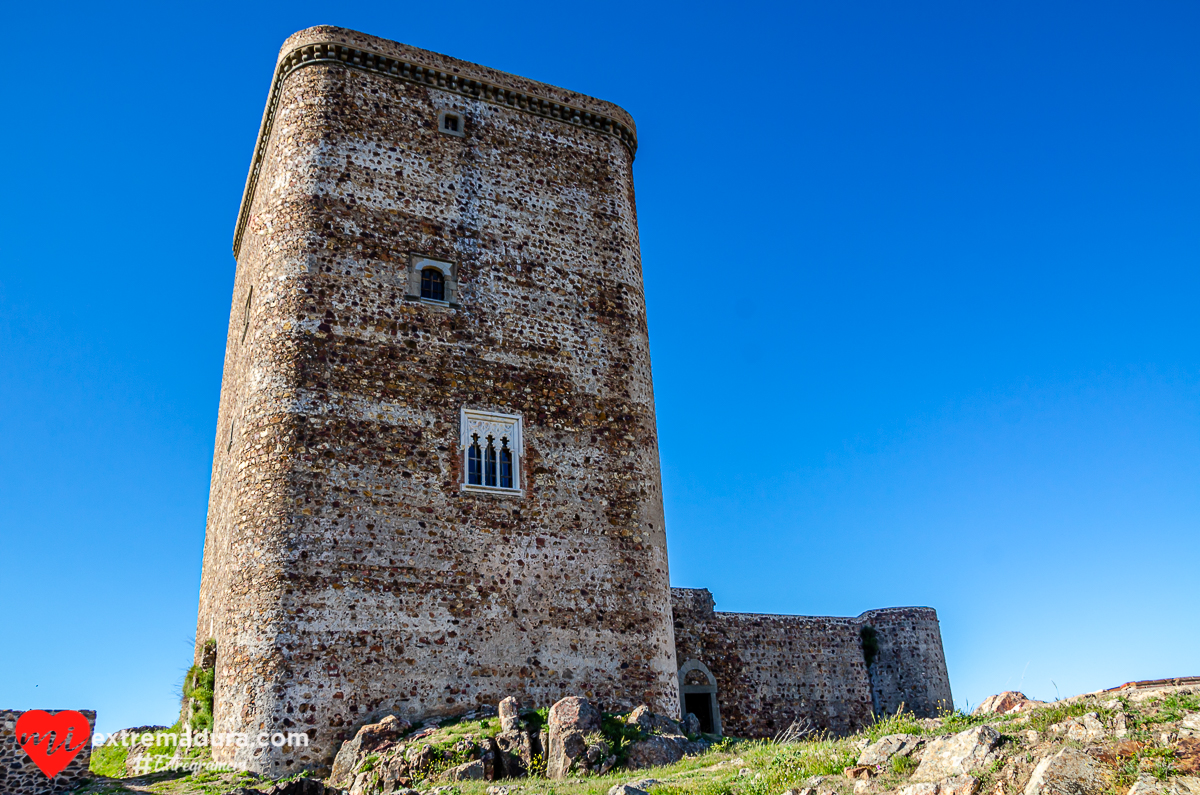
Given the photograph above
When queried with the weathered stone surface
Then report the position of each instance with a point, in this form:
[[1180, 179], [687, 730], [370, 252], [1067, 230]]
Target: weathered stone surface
[[573, 713], [859, 772], [648, 721], [653, 751], [1006, 703], [510, 714], [366, 739], [516, 751], [690, 725], [468, 771], [958, 754], [1069, 772], [626, 789], [1086, 728], [569, 720], [954, 785], [882, 750]]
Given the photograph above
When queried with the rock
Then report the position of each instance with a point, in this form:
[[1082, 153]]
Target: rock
[[1085, 729], [1188, 751], [882, 750], [626, 789], [863, 786], [497, 789], [653, 751], [690, 725], [1031, 736], [421, 757], [953, 785], [1190, 725], [1006, 703], [1069, 772], [958, 754], [859, 771], [570, 719], [300, 786], [649, 722], [365, 740], [468, 771], [1149, 785], [515, 751], [510, 714]]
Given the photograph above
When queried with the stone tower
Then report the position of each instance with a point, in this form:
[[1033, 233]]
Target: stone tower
[[436, 477]]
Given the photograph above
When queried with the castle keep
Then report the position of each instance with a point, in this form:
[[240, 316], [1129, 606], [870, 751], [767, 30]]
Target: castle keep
[[436, 478]]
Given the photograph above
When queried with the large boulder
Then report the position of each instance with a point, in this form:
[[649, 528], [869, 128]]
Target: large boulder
[[569, 723], [884, 749], [366, 739], [958, 754], [654, 751], [1069, 772]]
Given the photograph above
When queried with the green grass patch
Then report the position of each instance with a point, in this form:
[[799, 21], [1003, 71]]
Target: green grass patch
[[109, 760]]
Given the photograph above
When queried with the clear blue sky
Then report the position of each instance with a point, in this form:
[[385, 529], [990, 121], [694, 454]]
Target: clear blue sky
[[935, 262]]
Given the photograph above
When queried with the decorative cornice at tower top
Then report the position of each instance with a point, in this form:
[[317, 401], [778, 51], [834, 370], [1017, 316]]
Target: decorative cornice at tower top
[[326, 44]]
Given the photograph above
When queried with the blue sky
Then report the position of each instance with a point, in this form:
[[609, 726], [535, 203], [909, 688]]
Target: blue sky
[[922, 285]]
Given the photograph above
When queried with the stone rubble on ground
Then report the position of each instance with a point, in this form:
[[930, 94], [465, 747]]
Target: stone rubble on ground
[[958, 754]]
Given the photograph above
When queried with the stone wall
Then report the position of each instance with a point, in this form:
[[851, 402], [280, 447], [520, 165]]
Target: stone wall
[[346, 571], [773, 670], [20, 776], [910, 666]]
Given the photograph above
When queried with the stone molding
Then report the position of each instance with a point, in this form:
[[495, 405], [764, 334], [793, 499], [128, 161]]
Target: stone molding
[[409, 72]]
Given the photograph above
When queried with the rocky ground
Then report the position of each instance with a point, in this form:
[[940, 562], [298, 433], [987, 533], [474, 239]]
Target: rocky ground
[[1134, 741]]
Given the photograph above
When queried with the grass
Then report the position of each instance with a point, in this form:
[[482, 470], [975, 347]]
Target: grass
[[109, 760]]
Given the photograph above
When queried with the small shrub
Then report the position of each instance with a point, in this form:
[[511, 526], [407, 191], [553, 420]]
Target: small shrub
[[904, 765]]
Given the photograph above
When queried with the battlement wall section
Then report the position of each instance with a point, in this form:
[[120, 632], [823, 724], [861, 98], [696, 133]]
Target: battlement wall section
[[771, 670]]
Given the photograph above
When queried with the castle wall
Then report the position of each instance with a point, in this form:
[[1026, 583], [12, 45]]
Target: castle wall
[[346, 573], [773, 670], [909, 668]]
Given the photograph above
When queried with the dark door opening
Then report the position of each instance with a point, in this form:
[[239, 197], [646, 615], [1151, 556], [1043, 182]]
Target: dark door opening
[[700, 705]]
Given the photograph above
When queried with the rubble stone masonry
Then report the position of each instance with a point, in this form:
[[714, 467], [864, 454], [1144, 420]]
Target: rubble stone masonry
[[346, 571], [18, 773], [772, 670]]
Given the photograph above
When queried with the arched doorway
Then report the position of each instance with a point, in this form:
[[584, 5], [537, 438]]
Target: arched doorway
[[698, 695]]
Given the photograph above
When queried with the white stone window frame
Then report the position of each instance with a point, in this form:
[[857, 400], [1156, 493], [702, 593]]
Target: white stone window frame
[[478, 421], [461, 132], [449, 271]]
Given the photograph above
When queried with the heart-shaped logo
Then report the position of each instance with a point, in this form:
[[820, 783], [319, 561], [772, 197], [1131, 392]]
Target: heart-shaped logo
[[52, 741]]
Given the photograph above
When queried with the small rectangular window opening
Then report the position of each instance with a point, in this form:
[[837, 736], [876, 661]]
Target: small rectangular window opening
[[451, 123]]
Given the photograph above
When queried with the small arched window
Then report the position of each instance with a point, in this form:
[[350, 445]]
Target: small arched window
[[433, 284], [489, 463], [505, 465], [474, 463]]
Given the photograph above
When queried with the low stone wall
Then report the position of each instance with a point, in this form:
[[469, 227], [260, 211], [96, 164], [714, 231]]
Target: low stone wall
[[768, 671], [20, 776]]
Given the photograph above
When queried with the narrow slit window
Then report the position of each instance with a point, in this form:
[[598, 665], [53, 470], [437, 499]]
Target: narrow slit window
[[246, 313], [489, 464], [433, 284], [506, 480], [474, 463]]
